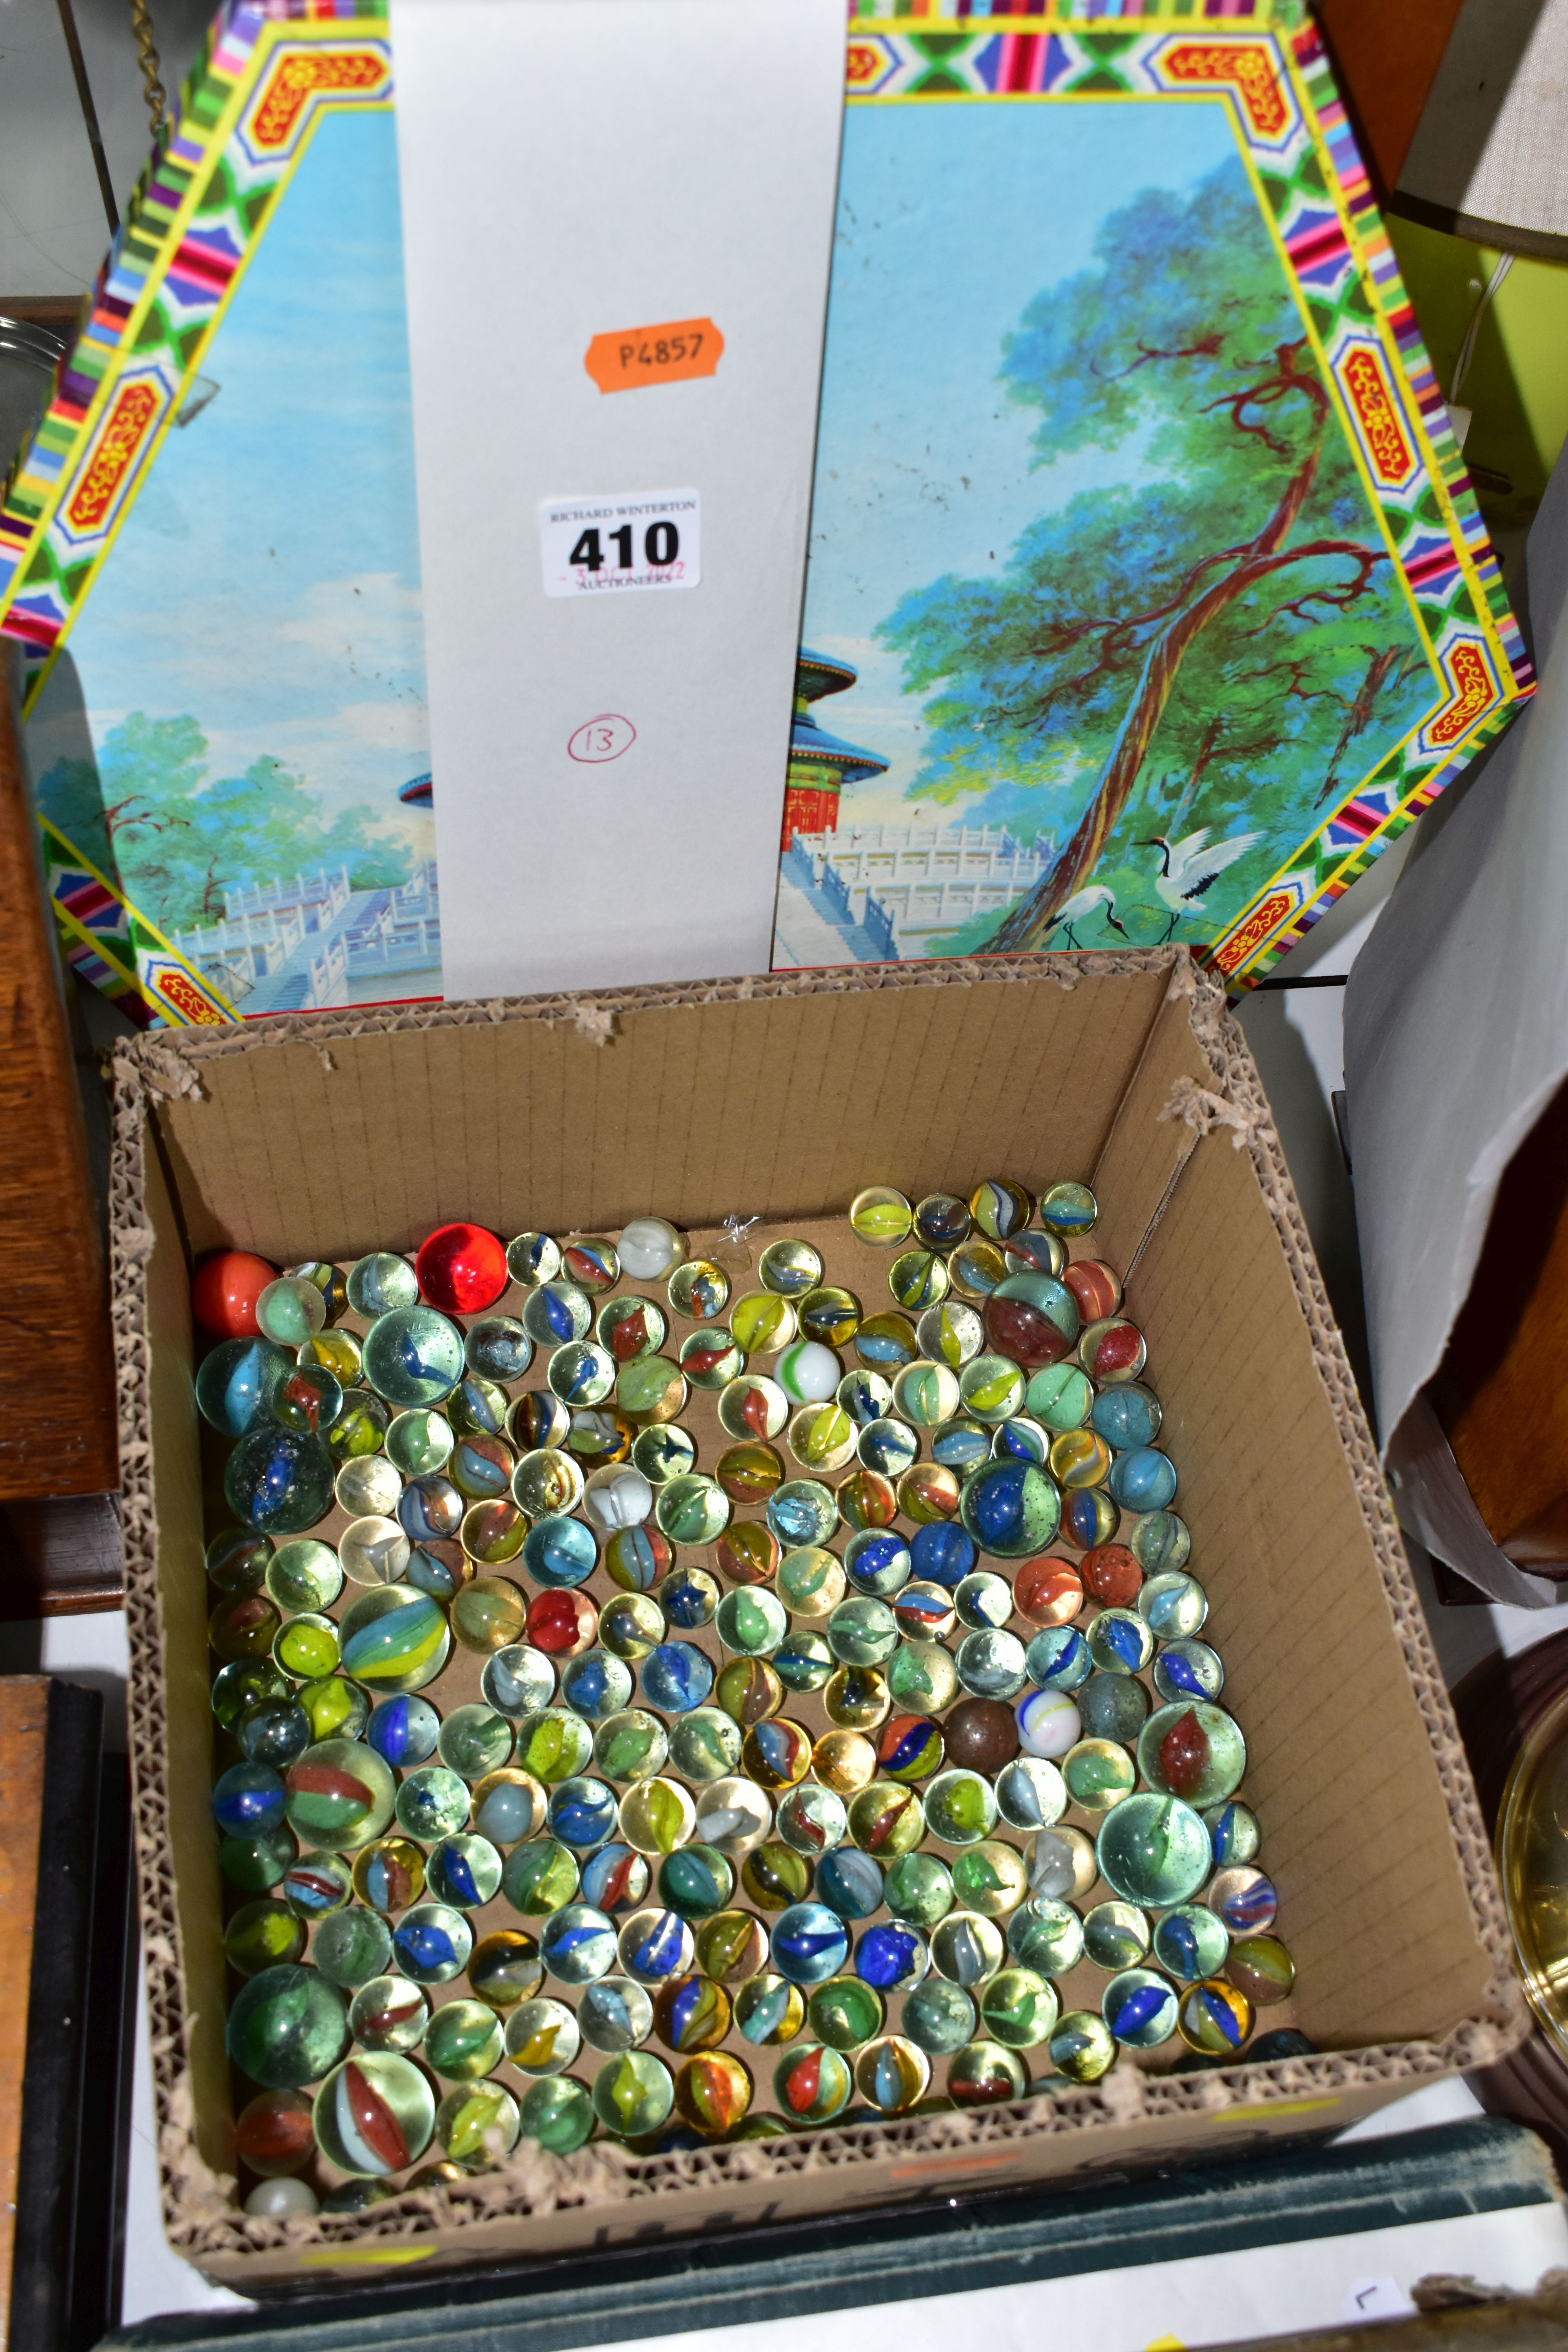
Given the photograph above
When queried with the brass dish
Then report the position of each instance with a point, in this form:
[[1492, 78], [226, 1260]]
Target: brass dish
[[1533, 1858]]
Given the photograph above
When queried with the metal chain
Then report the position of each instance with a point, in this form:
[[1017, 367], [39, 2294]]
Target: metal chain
[[157, 98]]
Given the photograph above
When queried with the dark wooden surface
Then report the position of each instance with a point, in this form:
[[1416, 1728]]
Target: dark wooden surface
[[57, 1365], [1387, 53]]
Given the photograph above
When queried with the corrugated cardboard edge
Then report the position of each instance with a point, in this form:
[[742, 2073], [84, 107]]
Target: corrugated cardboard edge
[[200, 2216]]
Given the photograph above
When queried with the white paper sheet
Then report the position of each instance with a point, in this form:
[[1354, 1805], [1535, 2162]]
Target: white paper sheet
[[575, 168]]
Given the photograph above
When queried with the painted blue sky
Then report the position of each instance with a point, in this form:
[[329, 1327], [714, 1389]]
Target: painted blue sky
[[267, 581], [950, 218]]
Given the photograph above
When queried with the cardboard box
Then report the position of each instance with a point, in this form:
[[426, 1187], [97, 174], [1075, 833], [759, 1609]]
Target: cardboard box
[[337, 1132]]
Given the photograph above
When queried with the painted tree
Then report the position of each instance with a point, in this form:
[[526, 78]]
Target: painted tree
[[1131, 618]]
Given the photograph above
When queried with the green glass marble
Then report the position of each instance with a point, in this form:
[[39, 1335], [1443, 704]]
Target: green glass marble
[[1154, 1850], [989, 1877], [752, 1621], [1261, 1968], [959, 1808], [478, 2126], [538, 1877], [419, 1444], [633, 2093], [261, 1935], [862, 1631], [362, 1427], [306, 1647], [1047, 1935], [463, 2041], [695, 1881], [558, 2114], [921, 1677], [340, 1795], [1018, 2008], [1159, 1542], [768, 2011], [273, 1731], [474, 1740], [1083, 2047], [845, 2013], [256, 1863], [803, 1660], [692, 1509], [1173, 1605], [243, 1626], [917, 1889], [1113, 1706], [395, 1639], [351, 1947], [553, 1745], [939, 2017], [630, 1745], [374, 2114], [773, 1876], [431, 1803], [653, 1388], [305, 1575], [338, 1709], [1097, 1774], [1115, 1935], [1059, 1395], [413, 1355], [656, 1816], [991, 1389], [705, 1745], [287, 2026], [631, 1625]]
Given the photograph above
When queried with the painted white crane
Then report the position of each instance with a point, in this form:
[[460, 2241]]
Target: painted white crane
[[1189, 867], [1083, 903]]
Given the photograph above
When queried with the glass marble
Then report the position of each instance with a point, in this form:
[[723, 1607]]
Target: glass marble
[[857, 1699], [1078, 1458], [372, 1550], [822, 1437], [614, 2014], [633, 2093], [656, 1815], [928, 1493], [1214, 2018], [774, 1875], [923, 1612], [1097, 1774], [287, 2026], [465, 1870], [699, 1290], [477, 1407], [1031, 1319], [889, 1447], [1061, 1862], [517, 1680], [338, 1709], [440, 1569], [395, 1639], [999, 1207], [307, 1397], [561, 1553], [1068, 1209], [616, 1880], [1019, 2009], [705, 1745], [691, 2012], [966, 1949], [941, 1553], [1190, 1942], [413, 1355], [921, 1677], [813, 2083], [649, 1246], [1243, 1899], [862, 1631], [802, 1511], [463, 2041], [887, 1819], [584, 1373], [248, 1798], [577, 1943], [256, 1861], [431, 1803], [761, 1323], [553, 1745], [507, 1806], [278, 1480], [982, 1602], [430, 1509], [261, 1935], [711, 1357], [866, 1397], [1142, 1479], [1035, 1250], [918, 1280], [1118, 1641], [1191, 1750], [776, 1753], [749, 1472], [1261, 1968], [926, 1393], [734, 1815], [1112, 1350], [747, 1552], [478, 2126], [538, 1877], [1089, 1516], [631, 1625], [910, 1748], [811, 1580], [1030, 1793], [306, 1647], [992, 1665], [290, 1311], [990, 1877], [768, 2011], [352, 1947], [635, 1559], [1173, 1605], [693, 1509], [878, 1561], [695, 1881], [1152, 1850], [890, 1958], [561, 1625], [960, 1807], [655, 1943], [790, 1268], [1049, 1593], [1128, 1417], [542, 2037], [273, 1731], [374, 2114], [482, 1468], [490, 1613], [536, 1420], [1061, 1396], [340, 1796], [810, 1942], [1115, 1934], [556, 1314], [236, 1563], [1026, 1439], [272, 2134], [1012, 1509], [886, 1343], [558, 2115], [1161, 1544], [548, 1482], [419, 1444], [829, 1315], [316, 1885], [597, 1686], [1113, 1706], [380, 1282], [846, 2011], [1045, 1935], [1234, 1833], [1187, 1669], [949, 1334], [593, 1262], [389, 1873], [812, 1819], [1082, 2047], [675, 1676]]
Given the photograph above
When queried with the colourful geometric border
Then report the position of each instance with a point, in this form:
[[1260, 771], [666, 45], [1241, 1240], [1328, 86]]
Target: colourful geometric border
[[244, 117], [1270, 67], [247, 111]]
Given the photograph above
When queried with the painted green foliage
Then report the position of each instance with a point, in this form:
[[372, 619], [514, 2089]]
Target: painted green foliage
[[171, 839], [1182, 648]]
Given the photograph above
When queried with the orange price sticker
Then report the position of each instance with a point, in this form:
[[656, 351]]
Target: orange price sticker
[[664, 354]]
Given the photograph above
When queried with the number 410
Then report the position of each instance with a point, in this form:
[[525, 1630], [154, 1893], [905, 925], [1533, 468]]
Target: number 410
[[661, 545]]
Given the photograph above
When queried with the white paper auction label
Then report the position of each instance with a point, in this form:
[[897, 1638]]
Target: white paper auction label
[[620, 541]]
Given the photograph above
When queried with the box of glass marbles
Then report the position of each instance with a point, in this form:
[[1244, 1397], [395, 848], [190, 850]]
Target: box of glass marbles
[[751, 1600]]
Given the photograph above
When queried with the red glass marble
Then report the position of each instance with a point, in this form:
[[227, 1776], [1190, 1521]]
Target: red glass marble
[[1185, 1756], [225, 1288], [1095, 1286], [1111, 1574], [272, 2133], [562, 1624], [462, 1269], [1047, 1592]]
